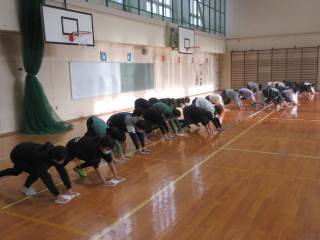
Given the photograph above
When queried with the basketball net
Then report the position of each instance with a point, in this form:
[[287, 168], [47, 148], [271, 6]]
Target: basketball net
[[189, 48], [74, 35]]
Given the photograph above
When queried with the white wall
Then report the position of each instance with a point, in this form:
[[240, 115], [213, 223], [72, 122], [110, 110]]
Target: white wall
[[116, 34], [261, 24], [251, 18], [9, 15]]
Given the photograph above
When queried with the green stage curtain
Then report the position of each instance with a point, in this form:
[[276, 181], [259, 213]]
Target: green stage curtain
[[38, 115]]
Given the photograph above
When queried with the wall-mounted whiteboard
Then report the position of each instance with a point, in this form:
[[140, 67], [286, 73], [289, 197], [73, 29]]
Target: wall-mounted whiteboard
[[102, 79]]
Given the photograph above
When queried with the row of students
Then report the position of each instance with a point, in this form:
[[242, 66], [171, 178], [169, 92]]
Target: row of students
[[100, 140], [36, 159], [280, 93], [103, 137]]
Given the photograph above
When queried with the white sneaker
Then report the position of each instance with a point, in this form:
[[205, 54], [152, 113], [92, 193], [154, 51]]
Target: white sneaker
[[121, 160], [180, 134], [29, 191]]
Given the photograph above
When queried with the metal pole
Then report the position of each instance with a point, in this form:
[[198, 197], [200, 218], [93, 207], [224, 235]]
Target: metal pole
[[172, 10], [209, 16], [215, 16], [220, 17], [151, 2]]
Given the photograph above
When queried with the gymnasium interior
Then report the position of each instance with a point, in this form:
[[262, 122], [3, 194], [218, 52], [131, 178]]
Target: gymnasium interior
[[64, 61]]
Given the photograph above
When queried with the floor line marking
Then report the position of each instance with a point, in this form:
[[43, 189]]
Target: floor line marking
[[21, 216], [295, 119], [256, 113], [148, 200], [272, 153]]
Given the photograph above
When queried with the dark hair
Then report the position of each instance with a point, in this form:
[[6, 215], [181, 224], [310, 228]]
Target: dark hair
[[260, 86], [295, 89], [219, 109], [179, 102], [186, 99], [226, 100], [89, 121], [58, 152], [153, 100], [106, 142], [142, 104], [142, 124], [137, 112], [176, 112], [173, 102], [116, 134]]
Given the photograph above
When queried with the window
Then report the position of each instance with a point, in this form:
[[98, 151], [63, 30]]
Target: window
[[160, 7], [117, 1], [196, 12], [204, 15]]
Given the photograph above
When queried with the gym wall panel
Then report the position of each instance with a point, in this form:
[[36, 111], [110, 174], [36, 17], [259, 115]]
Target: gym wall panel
[[262, 66]]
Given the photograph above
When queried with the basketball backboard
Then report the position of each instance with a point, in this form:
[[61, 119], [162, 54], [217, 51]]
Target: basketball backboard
[[186, 40], [65, 26]]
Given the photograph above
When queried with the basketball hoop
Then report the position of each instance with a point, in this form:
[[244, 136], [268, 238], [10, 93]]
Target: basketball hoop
[[189, 48], [75, 35]]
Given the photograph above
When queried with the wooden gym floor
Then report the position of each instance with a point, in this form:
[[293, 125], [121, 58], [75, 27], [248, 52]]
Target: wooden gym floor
[[257, 180]]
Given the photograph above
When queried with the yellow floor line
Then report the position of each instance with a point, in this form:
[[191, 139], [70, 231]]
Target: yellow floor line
[[295, 119], [150, 199], [17, 215], [272, 153]]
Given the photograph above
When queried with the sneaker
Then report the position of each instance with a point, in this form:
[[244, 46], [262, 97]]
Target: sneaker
[[66, 199], [121, 160], [80, 172], [169, 138], [118, 180], [29, 191], [143, 152]]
